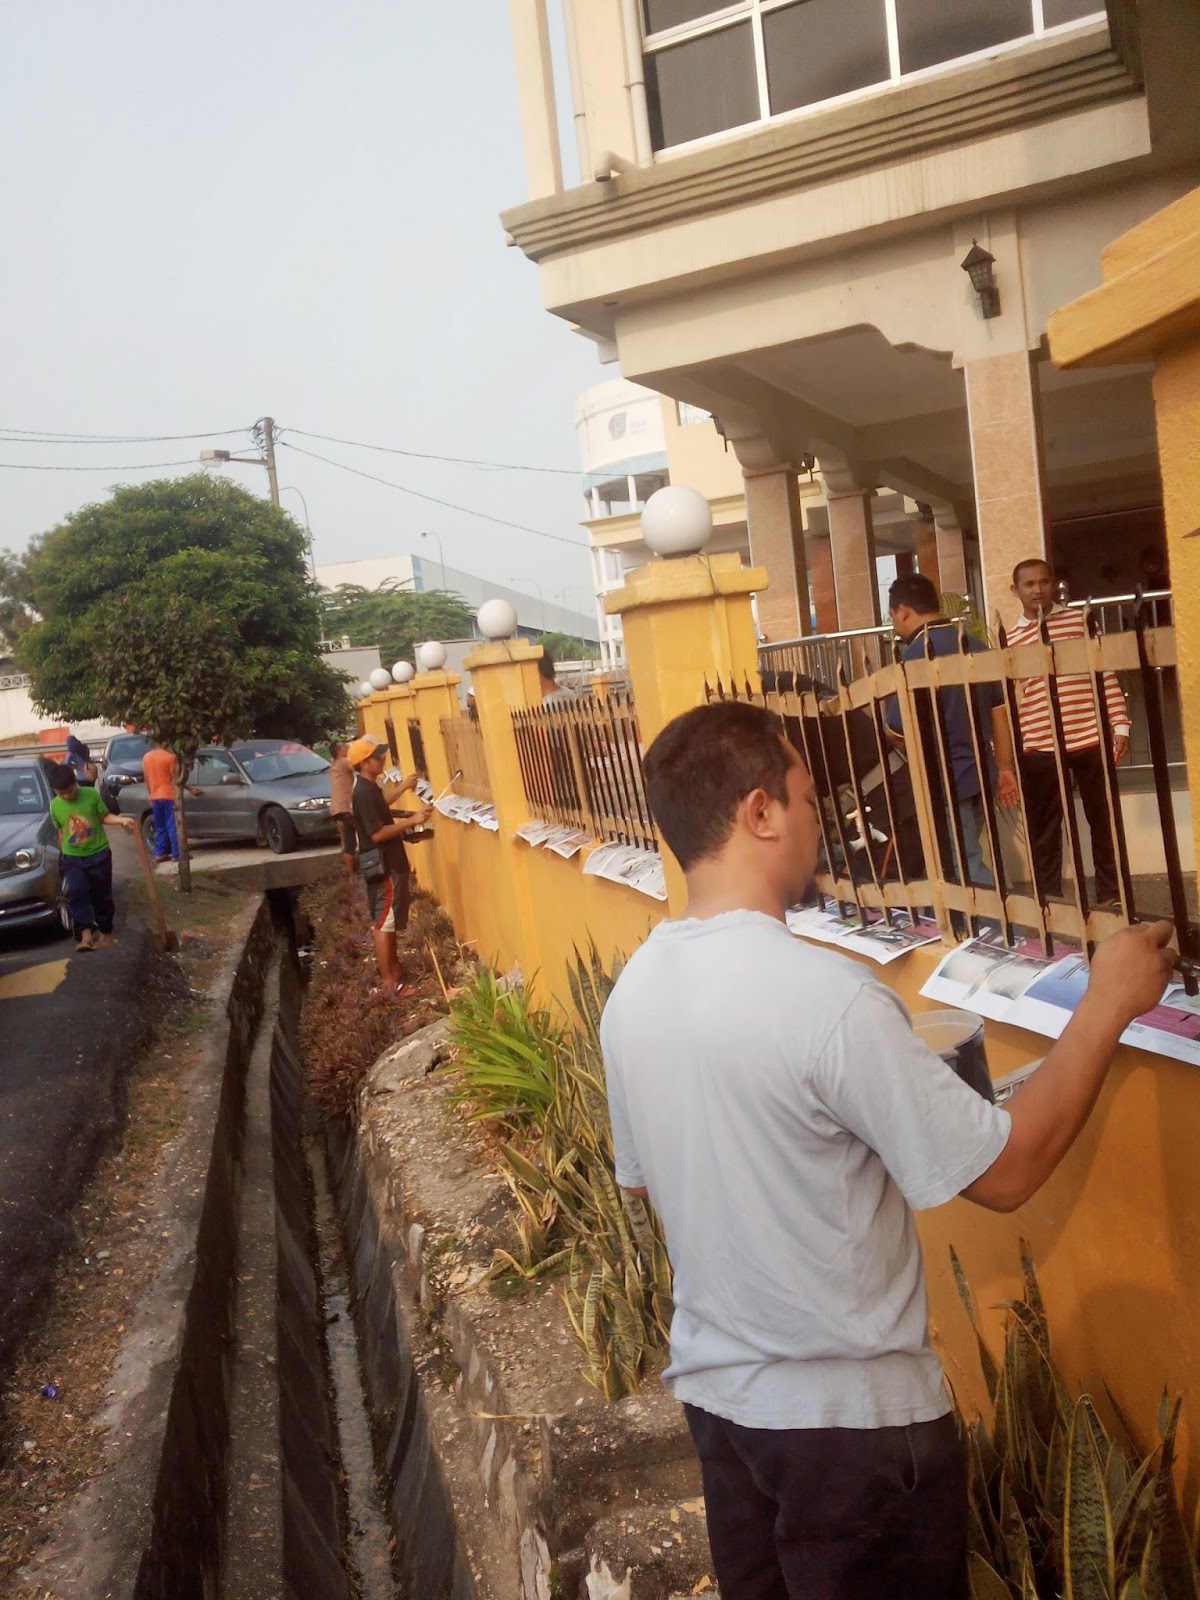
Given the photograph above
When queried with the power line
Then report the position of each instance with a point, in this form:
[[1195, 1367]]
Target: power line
[[448, 505], [425, 455], [124, 466], [48, 436]]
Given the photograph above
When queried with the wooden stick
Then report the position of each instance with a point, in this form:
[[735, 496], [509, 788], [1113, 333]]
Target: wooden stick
[[164, 938]]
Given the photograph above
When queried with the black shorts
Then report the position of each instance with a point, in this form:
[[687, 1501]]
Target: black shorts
[[388, 901]]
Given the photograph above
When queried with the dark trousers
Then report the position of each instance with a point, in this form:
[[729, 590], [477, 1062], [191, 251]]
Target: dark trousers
[[835, 1513], [1044, 810], [89, 890], [166, 845]]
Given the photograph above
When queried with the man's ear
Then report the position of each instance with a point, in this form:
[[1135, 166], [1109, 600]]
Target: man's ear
[[756, 815]]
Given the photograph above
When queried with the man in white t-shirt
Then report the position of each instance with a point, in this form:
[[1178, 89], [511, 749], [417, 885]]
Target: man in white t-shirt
[[772, 1100]]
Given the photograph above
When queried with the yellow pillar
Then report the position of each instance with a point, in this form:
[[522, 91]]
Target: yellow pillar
[[686, 621], [1148, 308], [435, 697], [505, 678]]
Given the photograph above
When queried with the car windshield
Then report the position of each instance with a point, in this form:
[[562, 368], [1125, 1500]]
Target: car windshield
[[21, 793], [130, 748], [267, 761]]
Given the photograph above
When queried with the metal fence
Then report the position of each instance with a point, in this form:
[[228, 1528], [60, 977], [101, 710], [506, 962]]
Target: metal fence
[[900, 816], [464, 751], [827, 657], [581, 766]]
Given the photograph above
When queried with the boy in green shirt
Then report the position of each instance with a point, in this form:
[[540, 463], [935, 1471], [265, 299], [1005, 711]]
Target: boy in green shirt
[[81, 816]]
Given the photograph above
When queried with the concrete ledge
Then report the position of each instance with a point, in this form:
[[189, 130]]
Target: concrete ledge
[[253, 867]]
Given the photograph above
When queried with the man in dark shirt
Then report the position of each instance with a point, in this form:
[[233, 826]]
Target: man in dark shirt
[[913, 609], [377, 828]]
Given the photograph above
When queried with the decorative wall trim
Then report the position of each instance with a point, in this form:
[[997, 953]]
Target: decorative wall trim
[[1048, 78]]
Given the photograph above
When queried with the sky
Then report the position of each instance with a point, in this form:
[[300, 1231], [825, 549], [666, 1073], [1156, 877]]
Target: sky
[[241, 208]]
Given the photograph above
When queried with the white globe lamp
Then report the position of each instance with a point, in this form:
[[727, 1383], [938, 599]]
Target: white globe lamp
[[380, 678], [364, 689], [403, 671], [676, 521], [497, 619], [431, 656]]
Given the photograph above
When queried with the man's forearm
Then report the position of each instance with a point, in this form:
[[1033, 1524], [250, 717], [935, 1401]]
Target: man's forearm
[[1051, 1106], [1002, 744]]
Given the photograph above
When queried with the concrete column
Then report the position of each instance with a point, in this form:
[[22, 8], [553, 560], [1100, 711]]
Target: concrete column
[[926, 552], [777, 545], [686, 621], [504, 676], [951, 555], [853, 541], [535, 97], [819, 553], [1006, 450], [435, 696]]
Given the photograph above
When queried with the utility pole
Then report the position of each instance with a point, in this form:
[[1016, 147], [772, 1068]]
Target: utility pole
[[266, 427]]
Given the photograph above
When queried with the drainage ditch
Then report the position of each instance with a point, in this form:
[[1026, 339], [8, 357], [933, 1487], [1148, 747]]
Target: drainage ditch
[[290, 1466]]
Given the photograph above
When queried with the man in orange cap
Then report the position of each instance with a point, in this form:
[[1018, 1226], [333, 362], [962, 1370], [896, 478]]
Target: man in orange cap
[[383, 861]]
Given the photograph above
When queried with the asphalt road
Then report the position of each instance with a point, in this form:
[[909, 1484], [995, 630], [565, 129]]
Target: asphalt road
[[69, 1026]]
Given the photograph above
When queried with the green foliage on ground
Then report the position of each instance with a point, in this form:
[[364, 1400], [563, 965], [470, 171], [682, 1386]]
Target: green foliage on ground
[[394, 619], [183, 606], [505, 1050], [1058, 1505], [572, 1219]]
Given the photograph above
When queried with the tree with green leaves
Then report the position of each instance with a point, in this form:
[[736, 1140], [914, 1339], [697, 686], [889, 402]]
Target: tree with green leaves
[[15, 615], [183, 607], [395, 619], [568, 647]]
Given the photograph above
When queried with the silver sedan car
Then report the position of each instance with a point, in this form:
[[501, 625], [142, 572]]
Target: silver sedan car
[[272, 790], [31, 887]]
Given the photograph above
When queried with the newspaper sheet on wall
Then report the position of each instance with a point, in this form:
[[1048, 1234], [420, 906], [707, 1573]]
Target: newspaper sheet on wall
[[565, 842], [867, 933], [459, 809], [626, 863], [1022, 987]]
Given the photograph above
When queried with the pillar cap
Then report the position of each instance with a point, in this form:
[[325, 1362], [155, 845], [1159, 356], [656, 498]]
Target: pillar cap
[[685, 578], [499, 652], [441, 679]]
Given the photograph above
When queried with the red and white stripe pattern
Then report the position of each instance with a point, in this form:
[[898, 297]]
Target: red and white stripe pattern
[[1080, 724]]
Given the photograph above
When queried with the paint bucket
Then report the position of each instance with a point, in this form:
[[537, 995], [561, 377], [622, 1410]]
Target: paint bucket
[[957, 1036]]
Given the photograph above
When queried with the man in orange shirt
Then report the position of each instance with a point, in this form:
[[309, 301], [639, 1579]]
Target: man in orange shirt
[[159, 767]]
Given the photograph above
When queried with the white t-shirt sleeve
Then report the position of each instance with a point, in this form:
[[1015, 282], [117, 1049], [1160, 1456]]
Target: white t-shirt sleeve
[[933, 1133], [629, 1173]]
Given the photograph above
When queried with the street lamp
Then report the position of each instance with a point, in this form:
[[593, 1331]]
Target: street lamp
[[441, 558], [264, 431], [541, 596], [290, 488]]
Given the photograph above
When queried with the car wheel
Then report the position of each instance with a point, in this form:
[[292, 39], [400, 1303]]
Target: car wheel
[[279, 830], [62, 912], [147, 826]]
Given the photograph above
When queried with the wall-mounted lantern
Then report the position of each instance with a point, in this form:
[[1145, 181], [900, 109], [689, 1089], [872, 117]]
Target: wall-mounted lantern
[[978, 264]]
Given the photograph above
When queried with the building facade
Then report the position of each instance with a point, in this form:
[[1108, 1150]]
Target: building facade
[[778, 198]]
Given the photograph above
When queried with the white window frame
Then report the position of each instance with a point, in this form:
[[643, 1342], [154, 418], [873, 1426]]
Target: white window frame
[[740, 11]]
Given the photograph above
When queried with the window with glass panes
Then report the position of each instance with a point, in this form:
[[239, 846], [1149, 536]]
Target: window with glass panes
[[713, 67]]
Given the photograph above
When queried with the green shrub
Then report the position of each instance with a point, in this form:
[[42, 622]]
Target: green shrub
[[505, 1050], [1058, 1506]]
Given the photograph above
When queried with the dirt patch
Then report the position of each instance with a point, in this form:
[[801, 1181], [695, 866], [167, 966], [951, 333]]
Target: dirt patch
[[347, 1022], [51, 1445]]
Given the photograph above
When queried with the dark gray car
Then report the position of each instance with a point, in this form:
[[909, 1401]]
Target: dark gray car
[[31, 888], [273, 790]]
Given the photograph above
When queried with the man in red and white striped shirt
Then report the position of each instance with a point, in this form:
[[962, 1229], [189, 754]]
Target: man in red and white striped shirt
[[1083, 756]]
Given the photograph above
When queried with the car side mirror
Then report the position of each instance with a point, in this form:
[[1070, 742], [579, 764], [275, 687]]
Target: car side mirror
[[232, 780]]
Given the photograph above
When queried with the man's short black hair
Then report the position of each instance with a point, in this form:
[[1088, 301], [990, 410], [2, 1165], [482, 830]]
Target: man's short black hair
[[546, 666], [703, 764], [916, 591], [62, 778], [1030, 561]]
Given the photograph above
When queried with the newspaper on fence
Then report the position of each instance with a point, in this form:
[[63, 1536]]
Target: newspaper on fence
[[459, 809], [1022, 987], [867, 933], [565, 842], [626, 863]]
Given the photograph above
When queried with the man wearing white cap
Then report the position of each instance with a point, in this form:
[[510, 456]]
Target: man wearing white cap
[[382, 859]]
